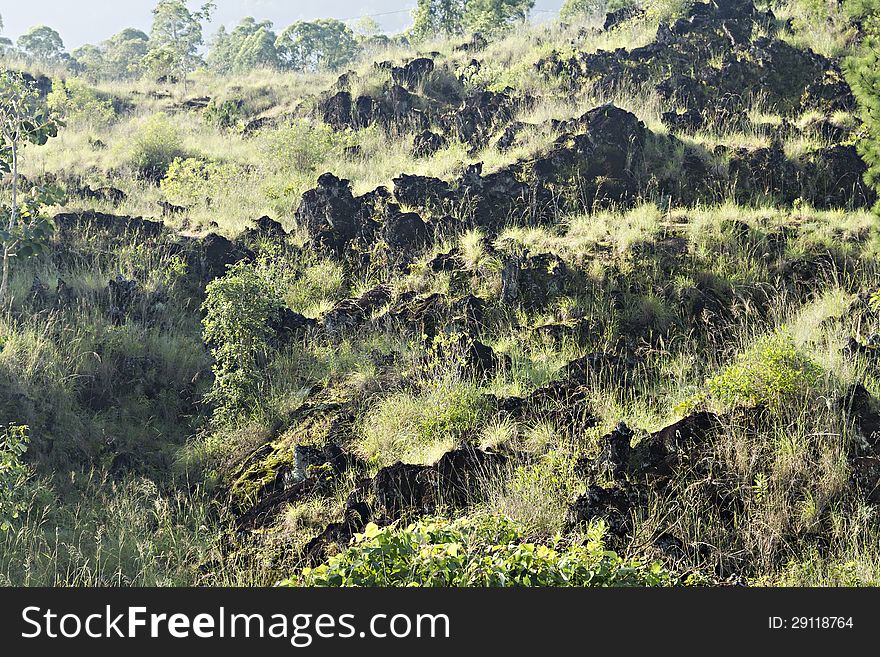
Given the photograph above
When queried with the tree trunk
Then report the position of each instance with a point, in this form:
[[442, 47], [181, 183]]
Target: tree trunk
[[4, 283], [13, 217]]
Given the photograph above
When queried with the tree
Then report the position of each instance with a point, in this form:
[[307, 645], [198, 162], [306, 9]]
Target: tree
[[5, 44], [175, 37], [118, 57], [863, 73], [88, 59], [124, 51], [438, 18], [43, 44], [492, 16], [321, 44], [250, 45], [367, 27], [575, 9], [455, 17], [23, 119]]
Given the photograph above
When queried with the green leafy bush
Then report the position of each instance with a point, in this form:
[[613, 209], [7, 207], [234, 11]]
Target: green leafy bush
[[154, 146], [239, 307], [192, 181], [771, 372], [78, 103], [13, 472], [477, 552], [226, 114], [300, 147]]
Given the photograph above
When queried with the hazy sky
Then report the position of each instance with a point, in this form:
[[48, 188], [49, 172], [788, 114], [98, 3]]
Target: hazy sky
[[91, 21]]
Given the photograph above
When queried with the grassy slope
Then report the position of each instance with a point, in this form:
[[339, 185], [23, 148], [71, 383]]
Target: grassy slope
[[92, 391]]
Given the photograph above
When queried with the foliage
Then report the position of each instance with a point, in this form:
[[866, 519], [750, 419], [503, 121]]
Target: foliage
[[238, 307], [112, 531], [415, 427], [770, 373], [493, 16], [76, 102], [476, 552], [175, 37], [192, 180], [301, 146], [315, 45], [250, 45], [225, 114], [5, 42], [154, 146], [437, 17], [24, 118], [13, 472], [575, 9], [863, 74], [454, 17], [42, 44], [119, 57], [367, 26]]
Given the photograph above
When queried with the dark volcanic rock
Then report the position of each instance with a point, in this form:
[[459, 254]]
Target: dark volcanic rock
[[403, 487], [351, 313], [413, 73], [659, 454], [169, 209], [336, 110], [217, 253], [330, 214], [405, 232], [123, 294], [421, 191], [456, 480], [532, 281], [427, 143], [478, 117], [105, 194], [597, 164], [622, 15], [616, 505], [71, 221], [357, 514]]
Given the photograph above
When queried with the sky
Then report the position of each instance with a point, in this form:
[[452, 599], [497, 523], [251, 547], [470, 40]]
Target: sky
[[92, 21]]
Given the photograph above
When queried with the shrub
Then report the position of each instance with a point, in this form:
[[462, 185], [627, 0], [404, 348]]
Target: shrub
[[300, 147], [770, 373], [239, 307], [478, 552], [154, 147], [192, 180], [227, 114], [13, 472], [78, 103]]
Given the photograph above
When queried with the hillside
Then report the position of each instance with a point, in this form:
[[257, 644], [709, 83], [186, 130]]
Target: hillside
[[610, 282]]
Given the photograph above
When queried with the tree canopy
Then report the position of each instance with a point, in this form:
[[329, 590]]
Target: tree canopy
[[43, 44], [249, 45], [312, 45], [175, 37], [453, 17]]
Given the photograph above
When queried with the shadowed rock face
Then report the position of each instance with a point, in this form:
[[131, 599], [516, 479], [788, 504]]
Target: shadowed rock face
[[676, 63]]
